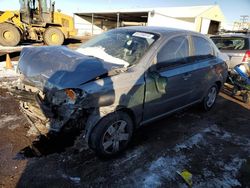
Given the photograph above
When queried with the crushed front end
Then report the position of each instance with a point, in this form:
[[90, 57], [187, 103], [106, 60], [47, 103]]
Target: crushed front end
[[54, 78], [49, 86], [52, 110]]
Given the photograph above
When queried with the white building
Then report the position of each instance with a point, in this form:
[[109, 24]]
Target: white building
[[204, 19]]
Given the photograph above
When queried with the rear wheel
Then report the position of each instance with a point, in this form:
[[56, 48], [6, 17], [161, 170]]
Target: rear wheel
[[9, 35], [112, 134], [210, 98], [53, 36]]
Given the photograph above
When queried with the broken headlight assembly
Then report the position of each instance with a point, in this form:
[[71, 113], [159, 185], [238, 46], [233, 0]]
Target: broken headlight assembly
[[66, 96]]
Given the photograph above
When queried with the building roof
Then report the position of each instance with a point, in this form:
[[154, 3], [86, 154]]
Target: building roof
[[175, 12]]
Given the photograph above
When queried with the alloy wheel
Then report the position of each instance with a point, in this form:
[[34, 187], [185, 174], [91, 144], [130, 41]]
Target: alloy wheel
[[211, 96], [115, 137]]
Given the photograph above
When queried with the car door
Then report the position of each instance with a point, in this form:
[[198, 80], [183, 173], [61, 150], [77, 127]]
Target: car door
[[168, 81], [202, 62]]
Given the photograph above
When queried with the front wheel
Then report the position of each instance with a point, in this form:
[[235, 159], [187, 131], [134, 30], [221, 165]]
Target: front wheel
[[9, 35], [112, 134], [210, 98]]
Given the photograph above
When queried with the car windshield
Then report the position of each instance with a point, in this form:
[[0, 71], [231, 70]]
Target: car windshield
[[231, 43], [125, 47]]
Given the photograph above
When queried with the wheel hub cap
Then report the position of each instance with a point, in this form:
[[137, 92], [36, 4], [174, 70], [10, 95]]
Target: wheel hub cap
[[54, 38], [8, 35], [115, 136], [211, 97]]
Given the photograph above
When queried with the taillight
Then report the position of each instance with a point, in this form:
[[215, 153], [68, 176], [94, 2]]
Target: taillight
[[246, 57]]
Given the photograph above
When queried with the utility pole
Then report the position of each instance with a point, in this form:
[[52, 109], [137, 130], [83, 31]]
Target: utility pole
[[244, 19]]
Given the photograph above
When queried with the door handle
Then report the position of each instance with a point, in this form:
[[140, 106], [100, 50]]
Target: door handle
[[186, 76]]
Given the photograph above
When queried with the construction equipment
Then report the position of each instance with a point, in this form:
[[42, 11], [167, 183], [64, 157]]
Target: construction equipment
[[35, 21]]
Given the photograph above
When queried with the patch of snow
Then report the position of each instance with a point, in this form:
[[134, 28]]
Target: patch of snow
[[212, 128], [32, 131], [207, 173], [100, 53], [228, 137], [195, 140], [153, 180], [75, 180], [14, 126], [3, 97], [5, 119], [163, 168], [198, 139], [6, 73], [16, 48], [228, 178], [131, 156]]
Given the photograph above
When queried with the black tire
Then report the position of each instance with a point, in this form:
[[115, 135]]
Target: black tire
[[209, 101], [9, 35], [245, 98], [53, 36], [101, 139]]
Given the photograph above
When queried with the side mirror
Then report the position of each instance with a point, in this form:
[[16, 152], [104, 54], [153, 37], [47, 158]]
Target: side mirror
[[157, 67], [160, 82], [153, 68]]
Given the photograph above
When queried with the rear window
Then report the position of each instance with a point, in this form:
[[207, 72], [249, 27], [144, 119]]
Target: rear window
[[231, 43]]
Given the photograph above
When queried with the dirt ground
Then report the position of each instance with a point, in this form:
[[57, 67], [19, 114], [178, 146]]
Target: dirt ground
[[213, 146]]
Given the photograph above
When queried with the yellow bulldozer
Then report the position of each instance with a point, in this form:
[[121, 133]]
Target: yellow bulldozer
[[36, 20]]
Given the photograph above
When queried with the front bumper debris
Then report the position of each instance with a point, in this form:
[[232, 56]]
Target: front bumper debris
[[35, 117]]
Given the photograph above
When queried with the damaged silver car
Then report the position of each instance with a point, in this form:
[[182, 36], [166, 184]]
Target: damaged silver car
[[118, 81]]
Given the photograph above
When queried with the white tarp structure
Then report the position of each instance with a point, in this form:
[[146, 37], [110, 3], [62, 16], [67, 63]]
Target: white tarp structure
[[159, 19]]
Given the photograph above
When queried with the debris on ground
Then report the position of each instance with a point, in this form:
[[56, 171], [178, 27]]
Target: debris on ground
[[186, 176]]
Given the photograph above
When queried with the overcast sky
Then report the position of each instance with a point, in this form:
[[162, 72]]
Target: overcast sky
[[232, 9]]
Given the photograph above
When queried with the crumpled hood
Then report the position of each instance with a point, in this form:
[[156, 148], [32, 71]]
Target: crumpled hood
[[60, 67]]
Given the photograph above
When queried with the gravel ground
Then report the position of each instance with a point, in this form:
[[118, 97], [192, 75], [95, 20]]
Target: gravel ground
[[213, 146]]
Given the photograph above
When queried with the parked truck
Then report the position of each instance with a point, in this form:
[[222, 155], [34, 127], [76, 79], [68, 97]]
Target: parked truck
[[36, 20]]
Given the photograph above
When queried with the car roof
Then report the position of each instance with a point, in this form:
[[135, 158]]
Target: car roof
[[227, 35], [160, 30]]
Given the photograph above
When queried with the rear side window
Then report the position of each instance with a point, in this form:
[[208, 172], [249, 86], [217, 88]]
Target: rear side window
[[231, 43], [175, 49], [202, 47]]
